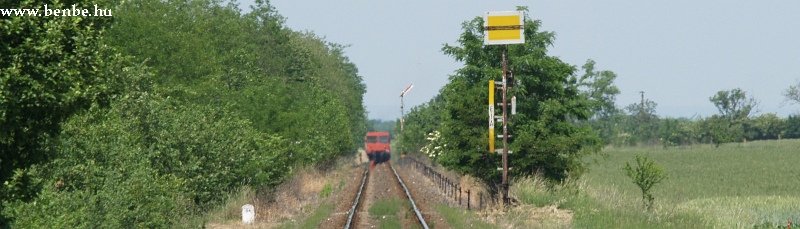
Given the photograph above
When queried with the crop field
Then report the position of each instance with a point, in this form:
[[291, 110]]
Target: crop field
[[738, 185]]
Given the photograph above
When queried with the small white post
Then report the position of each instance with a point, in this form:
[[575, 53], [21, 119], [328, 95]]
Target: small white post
[[248, 214]]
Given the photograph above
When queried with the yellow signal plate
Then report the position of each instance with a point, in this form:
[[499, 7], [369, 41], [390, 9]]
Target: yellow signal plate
[[491, 116], [504, 27]]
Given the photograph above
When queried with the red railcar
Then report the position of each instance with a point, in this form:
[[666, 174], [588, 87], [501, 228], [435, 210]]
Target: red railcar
[[377, 145]]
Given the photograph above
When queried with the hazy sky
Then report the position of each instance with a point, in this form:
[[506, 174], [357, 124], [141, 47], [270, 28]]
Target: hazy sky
[[678, 52]]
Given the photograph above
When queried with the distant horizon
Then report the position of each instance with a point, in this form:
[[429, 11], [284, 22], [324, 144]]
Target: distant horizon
[[679, 52], [694, 117]]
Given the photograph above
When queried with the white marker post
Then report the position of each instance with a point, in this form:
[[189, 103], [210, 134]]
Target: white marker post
[[248, 214]]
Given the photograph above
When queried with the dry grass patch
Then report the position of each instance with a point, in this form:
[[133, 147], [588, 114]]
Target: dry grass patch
[[745, 212], [538, 205], [290, 202], [529, 216]]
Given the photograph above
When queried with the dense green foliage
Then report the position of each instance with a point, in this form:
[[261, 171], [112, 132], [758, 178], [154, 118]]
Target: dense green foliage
[[151, 117], [285, 82], [155, 158], [419, 122], [50, 68]]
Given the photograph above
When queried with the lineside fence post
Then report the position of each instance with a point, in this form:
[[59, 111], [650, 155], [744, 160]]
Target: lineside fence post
[[468, 199]]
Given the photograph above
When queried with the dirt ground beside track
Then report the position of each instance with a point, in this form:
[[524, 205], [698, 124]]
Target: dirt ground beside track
[[426, 195]]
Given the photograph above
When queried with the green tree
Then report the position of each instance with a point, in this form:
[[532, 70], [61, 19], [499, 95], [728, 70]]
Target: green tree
[[792, 127], [765, 126], [683, 131], [668, 132], [187, 101], [719, 130], [288, 83], [642, 122], [599, 87], [645, 175], [793, 93], [50, 69], [734, 109], [546, 136], [381, 125], [734, 104], [419, 122]]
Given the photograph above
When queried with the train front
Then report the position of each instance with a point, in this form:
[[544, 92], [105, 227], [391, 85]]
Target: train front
[[377, 146]]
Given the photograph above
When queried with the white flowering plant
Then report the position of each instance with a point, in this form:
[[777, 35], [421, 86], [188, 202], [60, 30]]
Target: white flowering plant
[[434, 148]]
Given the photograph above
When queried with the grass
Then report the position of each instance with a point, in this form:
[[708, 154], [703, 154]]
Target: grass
[[312, 221], [385, 207], [762, 168], [460, 218], [230, 210], [386, 212], [579, 205], [749, 211], [326, 190], [738, 185], [537, 192], [591, 211], [319, 215]]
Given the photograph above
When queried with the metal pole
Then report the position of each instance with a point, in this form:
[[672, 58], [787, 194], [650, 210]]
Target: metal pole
[[505, 130], [402, 113]]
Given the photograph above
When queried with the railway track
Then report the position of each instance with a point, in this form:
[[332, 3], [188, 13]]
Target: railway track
[[357, 207], [353, 210]]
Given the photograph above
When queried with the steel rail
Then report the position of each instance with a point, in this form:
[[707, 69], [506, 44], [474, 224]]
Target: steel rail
[[408, 194], [352, 213]]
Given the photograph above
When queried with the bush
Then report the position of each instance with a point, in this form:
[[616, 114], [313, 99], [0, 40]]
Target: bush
[[138, 197], [145, 163], [535, 191], [646, 174], [100, 179], [792, 127]]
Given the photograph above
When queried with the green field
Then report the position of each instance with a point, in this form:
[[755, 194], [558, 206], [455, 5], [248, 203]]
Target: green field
[[738, 185]]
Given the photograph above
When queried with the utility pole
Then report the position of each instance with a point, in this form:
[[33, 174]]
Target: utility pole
[[642, 117], [642, 112], [503, 28], [503, 87], [402, 111], [642, 103]]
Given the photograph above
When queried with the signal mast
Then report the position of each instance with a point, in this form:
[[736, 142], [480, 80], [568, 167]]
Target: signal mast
[[402, 111]]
